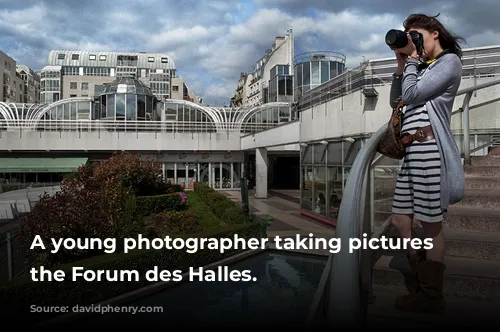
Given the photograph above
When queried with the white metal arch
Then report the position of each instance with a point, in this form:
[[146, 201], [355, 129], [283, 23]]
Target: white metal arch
[[44, 110], [209, 111], [245, 115], [12, 114]]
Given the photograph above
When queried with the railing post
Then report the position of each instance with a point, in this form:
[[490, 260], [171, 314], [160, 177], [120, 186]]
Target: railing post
[[10, 267], [244, 194], [365, 255], [466, 125]]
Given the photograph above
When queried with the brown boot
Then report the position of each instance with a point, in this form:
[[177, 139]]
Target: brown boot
[[429, 297], [412, 283]]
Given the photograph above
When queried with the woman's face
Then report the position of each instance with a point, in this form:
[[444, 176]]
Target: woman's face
[[431, 42]]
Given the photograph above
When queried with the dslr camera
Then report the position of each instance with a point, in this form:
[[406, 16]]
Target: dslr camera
[[399, 39]]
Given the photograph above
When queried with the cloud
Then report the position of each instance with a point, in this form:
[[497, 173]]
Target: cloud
[[212, 42]]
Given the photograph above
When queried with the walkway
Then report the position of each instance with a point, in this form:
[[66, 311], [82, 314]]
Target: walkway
[[283, 206]]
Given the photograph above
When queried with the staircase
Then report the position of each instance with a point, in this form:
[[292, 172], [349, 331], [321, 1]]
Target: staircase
[[472, 278]]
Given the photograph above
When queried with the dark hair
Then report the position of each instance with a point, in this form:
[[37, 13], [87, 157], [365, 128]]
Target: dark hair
[[431, 23]]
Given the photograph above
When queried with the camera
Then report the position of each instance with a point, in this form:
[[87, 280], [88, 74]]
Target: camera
[[399, 39]]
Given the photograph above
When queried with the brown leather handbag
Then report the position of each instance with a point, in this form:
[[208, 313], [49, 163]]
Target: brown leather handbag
[[391, 145]]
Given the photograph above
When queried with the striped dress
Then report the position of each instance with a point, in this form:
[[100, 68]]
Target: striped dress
[[418, 185]]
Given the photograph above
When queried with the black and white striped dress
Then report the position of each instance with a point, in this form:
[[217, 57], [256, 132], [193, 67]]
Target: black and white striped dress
[[418, 185]]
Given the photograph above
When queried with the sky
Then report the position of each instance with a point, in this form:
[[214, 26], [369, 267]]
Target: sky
[[212, 42]]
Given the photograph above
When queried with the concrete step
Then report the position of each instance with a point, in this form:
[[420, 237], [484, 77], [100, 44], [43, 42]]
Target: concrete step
[[483, 183], [460, 312], [461, 219], [494, 151], [483, 199], [467, 244], [475, 171], [490, 160], [464, 277]]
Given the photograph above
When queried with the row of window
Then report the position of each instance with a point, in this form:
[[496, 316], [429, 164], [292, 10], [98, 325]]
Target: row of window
[[93, 57], [74, 85]]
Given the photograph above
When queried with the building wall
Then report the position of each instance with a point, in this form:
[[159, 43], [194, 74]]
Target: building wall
[[12, 85], [158, 74], [31, 89], [281, 53], [355, 114]]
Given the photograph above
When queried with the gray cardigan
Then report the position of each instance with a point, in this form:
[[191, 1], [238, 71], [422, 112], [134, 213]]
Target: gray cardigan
[[437, 89]]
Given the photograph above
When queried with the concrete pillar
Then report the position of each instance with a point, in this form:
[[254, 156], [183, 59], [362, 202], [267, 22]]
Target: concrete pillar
[[261, 162]]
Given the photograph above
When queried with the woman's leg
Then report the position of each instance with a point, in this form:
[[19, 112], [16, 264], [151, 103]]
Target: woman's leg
[[430, 275], [404, 225], [434, 231]]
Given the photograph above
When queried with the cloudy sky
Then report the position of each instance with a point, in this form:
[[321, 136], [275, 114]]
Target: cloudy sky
[[213, 41]]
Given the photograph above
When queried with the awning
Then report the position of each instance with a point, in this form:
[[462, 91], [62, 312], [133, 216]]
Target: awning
[[41, 165]]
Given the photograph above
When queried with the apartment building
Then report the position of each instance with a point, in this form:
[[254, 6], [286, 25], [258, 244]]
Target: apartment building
[[71, 74], [12, 85], [31, 88], [272, 79]]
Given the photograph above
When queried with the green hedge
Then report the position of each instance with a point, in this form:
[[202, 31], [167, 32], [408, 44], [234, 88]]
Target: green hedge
[[146, 205], [17, 297], [222, 207]]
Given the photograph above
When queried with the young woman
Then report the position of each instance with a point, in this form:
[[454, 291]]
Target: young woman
[[432, 175]]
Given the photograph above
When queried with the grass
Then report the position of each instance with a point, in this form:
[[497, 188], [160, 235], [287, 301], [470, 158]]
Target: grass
[[206, 218]]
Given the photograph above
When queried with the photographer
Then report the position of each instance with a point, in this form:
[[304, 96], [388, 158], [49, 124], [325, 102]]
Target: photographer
[[432, 177]]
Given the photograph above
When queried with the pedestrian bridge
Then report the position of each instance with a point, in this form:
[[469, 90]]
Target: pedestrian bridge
[[73, 124]]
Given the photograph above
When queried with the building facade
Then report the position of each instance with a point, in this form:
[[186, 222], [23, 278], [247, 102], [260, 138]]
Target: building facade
[[272, 79], [31, 89], [72, 74], [19, 84]]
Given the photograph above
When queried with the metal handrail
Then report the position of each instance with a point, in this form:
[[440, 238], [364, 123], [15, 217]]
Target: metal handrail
[[344, 306]]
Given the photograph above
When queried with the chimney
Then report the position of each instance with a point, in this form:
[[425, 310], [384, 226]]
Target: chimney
[[279, 40]]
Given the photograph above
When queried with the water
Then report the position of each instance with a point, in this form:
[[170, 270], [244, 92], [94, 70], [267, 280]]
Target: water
[[282, 295]]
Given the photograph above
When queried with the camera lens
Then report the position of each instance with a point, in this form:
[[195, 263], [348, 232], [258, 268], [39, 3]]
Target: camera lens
[[396, 38]]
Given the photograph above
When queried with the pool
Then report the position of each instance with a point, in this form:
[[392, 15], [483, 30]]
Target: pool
[[281, 296]]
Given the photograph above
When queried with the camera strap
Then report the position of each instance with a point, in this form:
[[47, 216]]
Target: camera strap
[[429, 62]]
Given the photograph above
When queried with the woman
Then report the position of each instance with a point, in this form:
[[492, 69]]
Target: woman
[[432, 175]]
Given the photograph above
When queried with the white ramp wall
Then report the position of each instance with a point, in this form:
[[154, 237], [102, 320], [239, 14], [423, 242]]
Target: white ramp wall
[[285, 134], [117, 141], [355, 114]]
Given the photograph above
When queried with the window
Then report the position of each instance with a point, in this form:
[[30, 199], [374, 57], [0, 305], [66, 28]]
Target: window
[[175, 88], [102, 58], [85, 86], [151, 59], [92, 57], [61, 56], [164, 60], [72, 96], [85, 95], [75, 56], [72, 85]]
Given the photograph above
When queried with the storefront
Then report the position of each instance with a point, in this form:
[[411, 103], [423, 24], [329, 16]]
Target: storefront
[[18, 173], [325, 167], [219, 170]]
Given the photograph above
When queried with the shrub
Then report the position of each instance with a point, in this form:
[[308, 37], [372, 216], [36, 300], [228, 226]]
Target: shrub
[[174, 223], [147, 205], [78, 213], [18, 296], [222, 207], [142, 177]]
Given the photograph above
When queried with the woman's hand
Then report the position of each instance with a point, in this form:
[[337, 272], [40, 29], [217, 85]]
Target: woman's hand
[[401, 58], [403, 53], [409, 49]]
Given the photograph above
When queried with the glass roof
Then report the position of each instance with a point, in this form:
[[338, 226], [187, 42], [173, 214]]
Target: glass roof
[[125, 85]]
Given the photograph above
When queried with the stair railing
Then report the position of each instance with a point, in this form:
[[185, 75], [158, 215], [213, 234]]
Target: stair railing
[[344, 291]]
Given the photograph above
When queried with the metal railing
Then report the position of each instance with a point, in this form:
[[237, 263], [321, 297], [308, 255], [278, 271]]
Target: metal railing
[[11, 186], [12, 259], [136, 126], [345, 289]]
